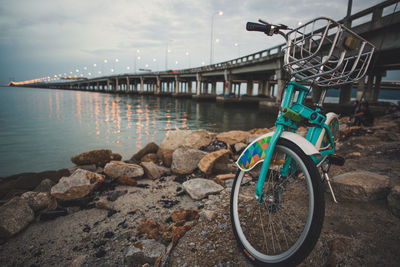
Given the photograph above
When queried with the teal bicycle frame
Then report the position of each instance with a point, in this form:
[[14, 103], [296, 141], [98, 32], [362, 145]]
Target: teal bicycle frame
[[292, 111]]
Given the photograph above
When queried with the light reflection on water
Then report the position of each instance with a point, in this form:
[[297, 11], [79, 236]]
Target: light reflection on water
[[41, 129]]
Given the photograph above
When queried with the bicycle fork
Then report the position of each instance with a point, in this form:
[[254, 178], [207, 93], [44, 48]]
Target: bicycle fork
[[268, 156]]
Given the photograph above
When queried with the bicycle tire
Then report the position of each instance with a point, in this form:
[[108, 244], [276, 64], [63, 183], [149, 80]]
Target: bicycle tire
[[289, 200]]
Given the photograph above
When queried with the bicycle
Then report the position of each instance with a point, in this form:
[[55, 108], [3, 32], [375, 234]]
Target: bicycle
[[278, 219]]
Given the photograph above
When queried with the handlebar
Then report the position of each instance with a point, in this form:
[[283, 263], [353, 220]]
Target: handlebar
[[252, 26]]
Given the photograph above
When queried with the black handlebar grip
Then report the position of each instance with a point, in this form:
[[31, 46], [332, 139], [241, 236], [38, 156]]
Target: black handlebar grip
[[251, 26]]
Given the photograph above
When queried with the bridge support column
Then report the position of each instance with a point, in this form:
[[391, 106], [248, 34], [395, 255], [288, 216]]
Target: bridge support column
[[128, 85], [267, 88], [370, 82], [345, 94], [214, 88], [176, 86], [377, 87], [360, 88], [227, 83], [141, 84], [108, 85], [198, 84], [97, 87], [280, 84], [116, 85], [158, 85], [250, 86], [190, 87]]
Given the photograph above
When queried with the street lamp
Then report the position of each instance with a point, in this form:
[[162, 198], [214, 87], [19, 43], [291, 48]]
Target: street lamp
[[167, 50], [137, 57], [219, 13], [188, 55]]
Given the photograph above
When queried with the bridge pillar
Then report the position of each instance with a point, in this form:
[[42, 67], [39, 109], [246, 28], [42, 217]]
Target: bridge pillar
[[377, 87], [141, 84], [214, 88], [227, 83], [128, 85], [176, 86], [345, 94], [267, 88], [280, 83], [190, 87], [198, 84], [158, 85], [97, 86], [250, 86], [370, 82], [116, 85]]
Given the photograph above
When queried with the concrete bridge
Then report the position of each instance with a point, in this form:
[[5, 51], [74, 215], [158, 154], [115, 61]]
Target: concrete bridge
[[261, 71]]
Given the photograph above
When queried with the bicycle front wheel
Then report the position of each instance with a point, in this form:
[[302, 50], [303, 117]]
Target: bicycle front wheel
[[284, 227]]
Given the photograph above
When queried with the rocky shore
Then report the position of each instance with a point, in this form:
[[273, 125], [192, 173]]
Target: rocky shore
[[169, 204]]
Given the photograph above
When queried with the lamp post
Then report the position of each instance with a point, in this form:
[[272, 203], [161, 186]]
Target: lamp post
[[219, 13]]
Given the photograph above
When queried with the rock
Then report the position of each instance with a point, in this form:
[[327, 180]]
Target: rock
[[394, 201], [116, 169], [39, 200], [224, 165], [207, 162], [151, 228], [387, 136], [149, 148], [144, 251], [78, 261], [353, 155], [221, 179], [44, 186], [208, 215], [126, 180], [252, 137], [239, 147], [116, 194], [153, 171], [199, 188], [15, 215], [185, 161], [151, 157], [89, 167], [233, 137], [98, 157], [167, 158], [172, 141], [103, 204], [178, 230], [197, 138], [214, 146], [360, 185], [351, 131], [20, 183], [260, 131], [78, 185], [182, 216], [52, 214]]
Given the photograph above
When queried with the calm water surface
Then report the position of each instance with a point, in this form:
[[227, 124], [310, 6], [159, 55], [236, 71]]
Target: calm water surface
[[41, 129]]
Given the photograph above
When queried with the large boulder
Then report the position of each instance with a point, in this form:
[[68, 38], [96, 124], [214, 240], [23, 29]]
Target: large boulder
[[233, 137], [15, 215], [116, 169], [206, 164], [20, 183], [394, 200], [44, 186], [185, 161], [153, 171], [78, 185], [360, 185], [197, 139], [144, 251], [149, 148], [172, 141], [100, 157], [40, 200], [199, 188]]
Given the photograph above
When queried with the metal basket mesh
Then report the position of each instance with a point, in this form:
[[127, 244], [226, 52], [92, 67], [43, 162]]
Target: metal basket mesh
[[326, 53]]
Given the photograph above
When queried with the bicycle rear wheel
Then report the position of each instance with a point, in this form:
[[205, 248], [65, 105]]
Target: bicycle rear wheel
[[283, 228]]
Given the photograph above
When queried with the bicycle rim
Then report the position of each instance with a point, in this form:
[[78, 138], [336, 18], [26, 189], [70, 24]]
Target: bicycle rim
[[275, 230]]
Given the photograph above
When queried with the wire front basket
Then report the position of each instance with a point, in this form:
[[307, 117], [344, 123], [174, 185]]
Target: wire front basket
[[326, 53]]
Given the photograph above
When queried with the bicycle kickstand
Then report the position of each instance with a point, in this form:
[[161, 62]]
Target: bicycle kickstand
[[330, 187]]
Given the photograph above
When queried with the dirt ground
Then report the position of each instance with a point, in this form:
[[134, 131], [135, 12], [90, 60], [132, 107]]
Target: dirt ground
[[354, 233]]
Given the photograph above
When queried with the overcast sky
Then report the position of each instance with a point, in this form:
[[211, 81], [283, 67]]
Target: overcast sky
[[48, 37]]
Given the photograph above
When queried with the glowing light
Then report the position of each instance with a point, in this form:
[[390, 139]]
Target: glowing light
[[128, 68], [116, 60], [89, 73], [217, 40], [176, 62], [154, 60], [138, 57], [137, 51], [99, 71], [105, 60], [187, 53], [95, 65], [220, 13], [112, 70], [77, 70], [147, 65], [85, 68], [203, 63]]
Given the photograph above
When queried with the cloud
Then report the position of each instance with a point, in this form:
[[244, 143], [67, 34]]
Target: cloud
[[42, 38]]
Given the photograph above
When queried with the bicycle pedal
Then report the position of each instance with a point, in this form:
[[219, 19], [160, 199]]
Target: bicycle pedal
[[336, 160]]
